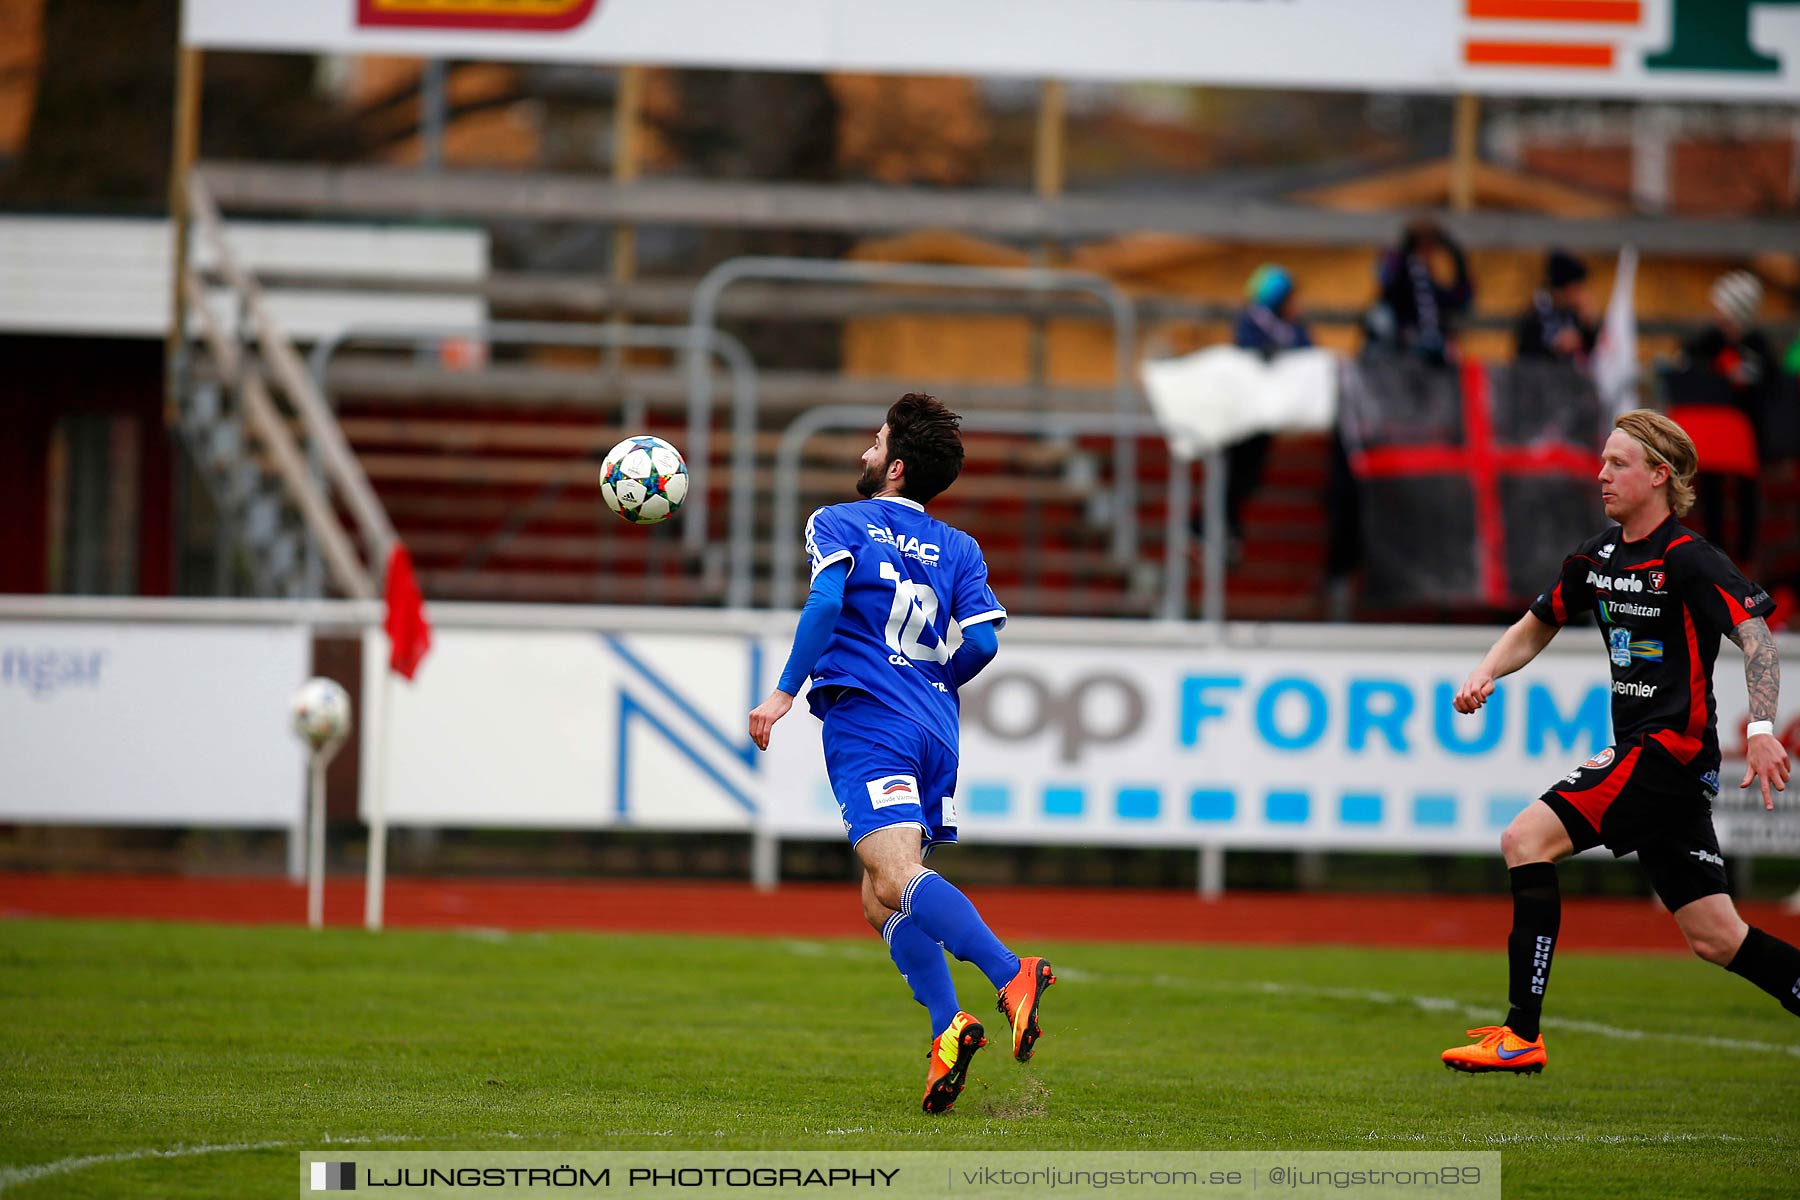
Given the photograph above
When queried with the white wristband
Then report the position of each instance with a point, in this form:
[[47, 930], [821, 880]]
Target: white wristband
[[1756, 727]]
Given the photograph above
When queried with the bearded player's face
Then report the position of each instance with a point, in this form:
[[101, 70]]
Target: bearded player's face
[[874, 466]]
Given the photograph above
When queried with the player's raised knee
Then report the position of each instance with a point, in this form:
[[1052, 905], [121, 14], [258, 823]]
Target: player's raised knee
[[888, 889], [1714, 949], [1519, 843]]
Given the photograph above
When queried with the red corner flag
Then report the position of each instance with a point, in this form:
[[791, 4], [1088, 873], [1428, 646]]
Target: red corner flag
[[409, 633]]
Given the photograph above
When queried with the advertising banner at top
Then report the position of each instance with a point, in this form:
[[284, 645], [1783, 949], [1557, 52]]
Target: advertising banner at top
[[1648, 49]]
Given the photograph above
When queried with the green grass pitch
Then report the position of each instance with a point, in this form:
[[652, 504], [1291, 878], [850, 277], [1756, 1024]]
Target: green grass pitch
[[1667, 1076]]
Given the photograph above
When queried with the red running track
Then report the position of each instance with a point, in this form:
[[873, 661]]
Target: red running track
[[812, 910]]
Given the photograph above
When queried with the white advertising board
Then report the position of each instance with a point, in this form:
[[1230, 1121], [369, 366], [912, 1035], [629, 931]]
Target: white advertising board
[[1330, 746], [138, 724], [93, 276], [1722, 49], [569, 730]]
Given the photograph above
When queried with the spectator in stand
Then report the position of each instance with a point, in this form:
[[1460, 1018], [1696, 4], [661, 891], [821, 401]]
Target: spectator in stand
[[1268, 325], [1415, 315], [1417, 312], [1557, 328], [1724, 393]]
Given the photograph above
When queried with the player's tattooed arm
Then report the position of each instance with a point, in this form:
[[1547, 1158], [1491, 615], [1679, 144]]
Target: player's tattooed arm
[[1762, 666]]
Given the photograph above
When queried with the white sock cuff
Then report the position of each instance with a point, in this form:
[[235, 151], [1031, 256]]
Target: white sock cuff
[[906, 897], [888, 926]]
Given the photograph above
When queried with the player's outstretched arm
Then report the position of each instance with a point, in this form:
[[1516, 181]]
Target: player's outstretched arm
[[980, 643], [1766, 758], [1516, 647], [824, 604]]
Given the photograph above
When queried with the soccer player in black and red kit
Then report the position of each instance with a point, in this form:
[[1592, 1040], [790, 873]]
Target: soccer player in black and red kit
[[1663, 597]]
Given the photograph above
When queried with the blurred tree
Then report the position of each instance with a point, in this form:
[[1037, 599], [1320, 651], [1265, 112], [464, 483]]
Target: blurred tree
[[101, 124], [911, 129], [759, 125]]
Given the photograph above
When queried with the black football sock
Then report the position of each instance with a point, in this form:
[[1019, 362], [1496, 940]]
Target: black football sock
[[1537, 916], [1772, 965]]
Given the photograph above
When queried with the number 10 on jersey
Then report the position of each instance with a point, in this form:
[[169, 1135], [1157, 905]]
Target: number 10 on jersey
[[915, 607]]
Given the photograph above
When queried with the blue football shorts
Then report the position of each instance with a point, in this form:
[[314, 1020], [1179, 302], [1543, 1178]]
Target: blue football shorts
[[887, 770]]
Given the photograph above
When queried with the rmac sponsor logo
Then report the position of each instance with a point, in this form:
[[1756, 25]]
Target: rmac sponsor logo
[[912, 547], [1753, 601], [1615, 583], [890, 790], [43, 673], [518, 16], [1292, 713]]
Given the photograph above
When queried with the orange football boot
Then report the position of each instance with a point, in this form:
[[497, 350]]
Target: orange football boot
[[1498, 1049], [1019, 1003], [948, 1061]]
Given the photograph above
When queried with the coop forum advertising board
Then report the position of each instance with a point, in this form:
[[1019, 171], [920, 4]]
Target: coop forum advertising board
[[1649, 49], [1334, 744]]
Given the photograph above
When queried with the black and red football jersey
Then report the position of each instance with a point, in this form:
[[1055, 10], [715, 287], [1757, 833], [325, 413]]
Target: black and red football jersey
[[1662, 604]]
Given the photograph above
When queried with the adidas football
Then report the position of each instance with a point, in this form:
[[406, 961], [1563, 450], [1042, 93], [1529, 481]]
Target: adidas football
[[644, 479]]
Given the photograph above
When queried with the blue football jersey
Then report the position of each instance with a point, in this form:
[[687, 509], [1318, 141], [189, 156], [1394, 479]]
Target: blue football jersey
[[911, 575]]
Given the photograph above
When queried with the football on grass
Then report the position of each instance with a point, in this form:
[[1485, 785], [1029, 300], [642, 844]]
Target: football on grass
[[644, 479]]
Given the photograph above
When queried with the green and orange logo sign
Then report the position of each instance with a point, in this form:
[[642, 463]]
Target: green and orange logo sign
[[1704, 35], [528, 16]]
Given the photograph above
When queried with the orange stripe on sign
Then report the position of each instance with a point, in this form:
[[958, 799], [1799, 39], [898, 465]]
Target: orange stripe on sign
[[1536, 54], [1610, 12]]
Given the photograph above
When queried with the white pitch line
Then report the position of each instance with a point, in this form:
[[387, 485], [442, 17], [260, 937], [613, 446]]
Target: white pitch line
[[11, 1176], [1432, 1004], [1486, 1015]]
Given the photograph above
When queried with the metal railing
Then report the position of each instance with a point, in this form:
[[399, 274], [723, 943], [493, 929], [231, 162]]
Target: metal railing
[[703, 317], [338, 462], [793, 440], [698, 447]]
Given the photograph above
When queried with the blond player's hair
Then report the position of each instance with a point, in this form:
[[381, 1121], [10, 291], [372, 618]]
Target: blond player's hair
[[1667, 443]]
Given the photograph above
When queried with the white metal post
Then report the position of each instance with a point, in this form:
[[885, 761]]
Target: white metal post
[[1212, 871], [315, 851], [375, 886]]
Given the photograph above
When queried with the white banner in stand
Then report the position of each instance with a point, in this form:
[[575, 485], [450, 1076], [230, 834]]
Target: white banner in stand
[[1643, 49], [147, 724]]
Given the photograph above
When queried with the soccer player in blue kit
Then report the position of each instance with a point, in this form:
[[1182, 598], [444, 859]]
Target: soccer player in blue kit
[[887, 583]]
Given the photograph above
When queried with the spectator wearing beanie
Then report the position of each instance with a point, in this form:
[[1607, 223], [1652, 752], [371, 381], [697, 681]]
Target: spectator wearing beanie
[[1268, 325], [1723, 393]]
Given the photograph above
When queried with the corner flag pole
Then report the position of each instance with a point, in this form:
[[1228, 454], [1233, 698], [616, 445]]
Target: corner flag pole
[[408, 637], [375, 886], [315, 841]]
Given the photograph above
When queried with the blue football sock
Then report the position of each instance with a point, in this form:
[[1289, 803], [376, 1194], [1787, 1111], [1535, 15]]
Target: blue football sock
[[947, 917], [922, 965]]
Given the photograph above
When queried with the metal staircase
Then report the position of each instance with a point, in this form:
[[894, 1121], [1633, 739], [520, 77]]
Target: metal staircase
[[239, 417]]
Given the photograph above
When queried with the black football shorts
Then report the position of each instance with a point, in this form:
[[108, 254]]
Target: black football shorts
[[1636, 797]]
